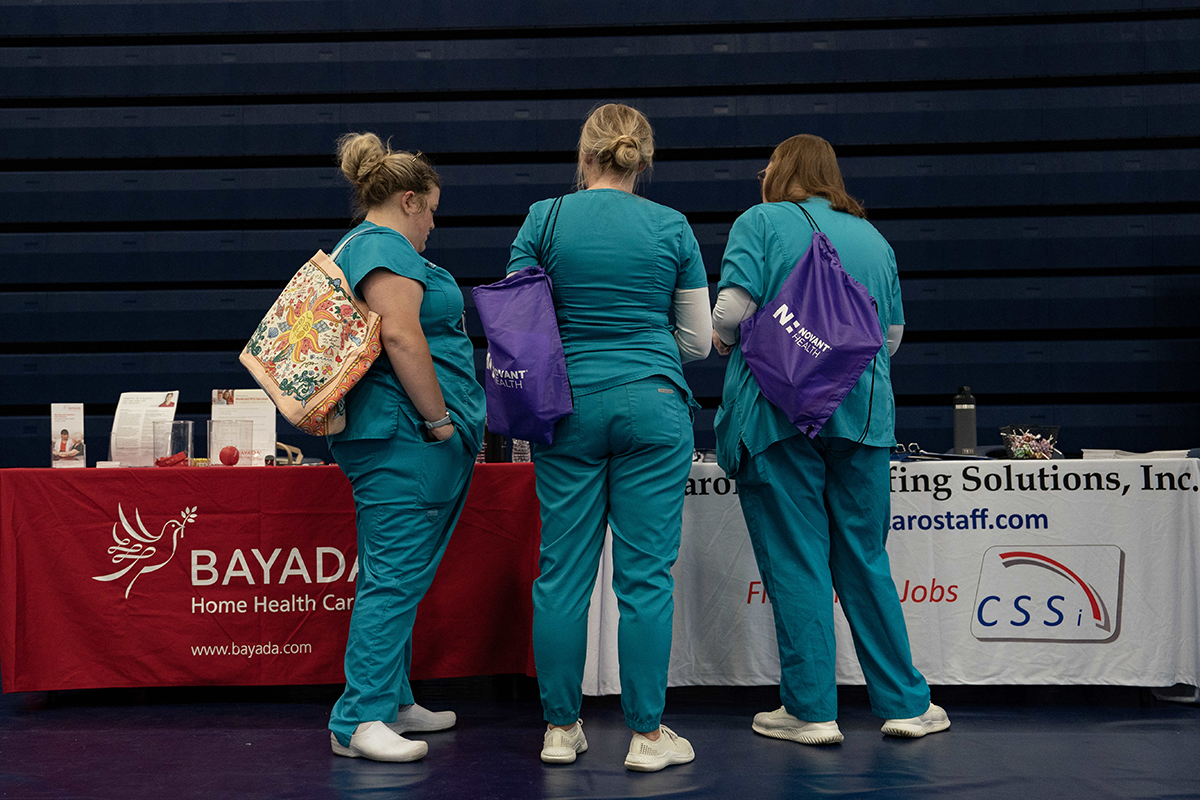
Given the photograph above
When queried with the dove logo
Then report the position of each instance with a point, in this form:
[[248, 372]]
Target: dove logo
[[1059, 593], [141, 548]]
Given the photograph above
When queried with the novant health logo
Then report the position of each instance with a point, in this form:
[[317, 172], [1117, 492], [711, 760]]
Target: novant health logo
[[805, 339], [1057, 593], [140, 549], [506, 378]]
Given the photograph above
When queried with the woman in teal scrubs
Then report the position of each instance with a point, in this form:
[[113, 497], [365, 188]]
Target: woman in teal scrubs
[[818, 511], [413, 425], [620, 265]]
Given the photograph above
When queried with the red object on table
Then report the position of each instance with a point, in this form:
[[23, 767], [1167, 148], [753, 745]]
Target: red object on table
[[229, 455], [176, 460], [136, 577]]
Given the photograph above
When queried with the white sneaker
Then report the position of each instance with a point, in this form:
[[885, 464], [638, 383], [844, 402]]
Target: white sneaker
[[647, 756], [418, 719], [933, 720], [376, 741], [779, 724], [560, 745]]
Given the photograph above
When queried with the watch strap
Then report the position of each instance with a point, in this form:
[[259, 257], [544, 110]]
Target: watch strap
[[438, 423]]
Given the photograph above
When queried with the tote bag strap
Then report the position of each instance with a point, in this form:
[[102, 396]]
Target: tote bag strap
[[333, 256], [551, 225]]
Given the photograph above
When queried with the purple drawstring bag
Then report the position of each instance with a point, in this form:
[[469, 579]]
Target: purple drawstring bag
[[809, 345], [525, 384]]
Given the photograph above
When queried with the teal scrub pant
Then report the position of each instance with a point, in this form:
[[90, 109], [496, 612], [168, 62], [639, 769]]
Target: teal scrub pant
[[408, 495], [621, 460], [818, 520]]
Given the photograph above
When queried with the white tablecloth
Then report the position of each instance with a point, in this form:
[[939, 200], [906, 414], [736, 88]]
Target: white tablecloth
[[1009, 572]]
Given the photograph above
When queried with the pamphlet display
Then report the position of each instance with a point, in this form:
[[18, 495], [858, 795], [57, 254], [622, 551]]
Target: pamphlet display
[[66, 435], [132, 441], [251, 406]]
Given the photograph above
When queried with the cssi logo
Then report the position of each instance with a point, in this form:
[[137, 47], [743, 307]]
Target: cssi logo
[[1058, 593]]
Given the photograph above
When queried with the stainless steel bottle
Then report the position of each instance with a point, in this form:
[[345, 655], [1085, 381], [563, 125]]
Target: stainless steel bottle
[[964, 422]]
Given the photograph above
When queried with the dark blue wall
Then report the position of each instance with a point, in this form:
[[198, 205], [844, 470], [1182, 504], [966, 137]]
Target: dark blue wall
[[165, 167]]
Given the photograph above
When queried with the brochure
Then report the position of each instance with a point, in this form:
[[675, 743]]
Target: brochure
[[253, 405], [132, 441], [66, 435]]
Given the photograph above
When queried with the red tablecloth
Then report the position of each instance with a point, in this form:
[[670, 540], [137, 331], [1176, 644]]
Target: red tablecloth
[[238, 576]]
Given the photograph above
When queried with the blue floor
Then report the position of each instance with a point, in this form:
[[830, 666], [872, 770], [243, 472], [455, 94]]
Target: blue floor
[[1005, 742]]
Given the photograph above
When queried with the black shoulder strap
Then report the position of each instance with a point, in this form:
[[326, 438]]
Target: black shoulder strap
[[551, 225], [807, 216]]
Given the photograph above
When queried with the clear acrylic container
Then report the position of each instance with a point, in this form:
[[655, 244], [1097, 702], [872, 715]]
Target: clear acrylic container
[[230, 442], [173, 443]]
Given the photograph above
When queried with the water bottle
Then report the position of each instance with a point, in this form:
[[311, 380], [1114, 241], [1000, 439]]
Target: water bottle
[[520, 451], [964, 422], [493, 447]]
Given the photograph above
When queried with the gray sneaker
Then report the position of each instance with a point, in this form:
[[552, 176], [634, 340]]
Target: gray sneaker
[[933, 720], [560, 745], [779, 724]]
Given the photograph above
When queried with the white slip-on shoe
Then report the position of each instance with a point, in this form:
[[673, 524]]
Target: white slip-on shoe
[[933, 720], [418, 719], [779, 724], [377, 742], [647, 756], [560, 745]]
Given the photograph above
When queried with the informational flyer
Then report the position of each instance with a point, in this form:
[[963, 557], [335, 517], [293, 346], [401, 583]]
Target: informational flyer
[[252, 405], [66, 435], [132, 441]]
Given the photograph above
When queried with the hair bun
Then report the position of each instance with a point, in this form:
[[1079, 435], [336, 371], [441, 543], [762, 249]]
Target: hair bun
[[368, 163], [360, 155], [626, 152]]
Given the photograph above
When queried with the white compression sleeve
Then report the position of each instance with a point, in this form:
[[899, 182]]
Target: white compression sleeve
[[895, 334], [693, 323], [733, 306]]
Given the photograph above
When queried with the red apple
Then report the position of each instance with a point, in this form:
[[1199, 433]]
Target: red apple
[[229, 455]]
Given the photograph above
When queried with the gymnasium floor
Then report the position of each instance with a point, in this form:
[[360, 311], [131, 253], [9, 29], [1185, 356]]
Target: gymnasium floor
[[1005, 742]]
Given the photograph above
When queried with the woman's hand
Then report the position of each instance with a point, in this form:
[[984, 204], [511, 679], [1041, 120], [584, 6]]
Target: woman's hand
[[443, 433], [721, 348]]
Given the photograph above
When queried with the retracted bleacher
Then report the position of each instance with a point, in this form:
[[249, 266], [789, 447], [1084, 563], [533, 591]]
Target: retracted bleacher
[[166, 166]]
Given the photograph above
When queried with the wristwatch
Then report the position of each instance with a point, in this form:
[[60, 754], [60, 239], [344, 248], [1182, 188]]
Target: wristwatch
[[438, 423]]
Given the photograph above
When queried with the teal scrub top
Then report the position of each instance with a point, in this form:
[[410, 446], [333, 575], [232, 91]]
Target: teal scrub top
[[615, 260], [378, 404], [764, 244]]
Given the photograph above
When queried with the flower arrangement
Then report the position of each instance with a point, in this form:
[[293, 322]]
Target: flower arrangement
[[1030, 441]]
